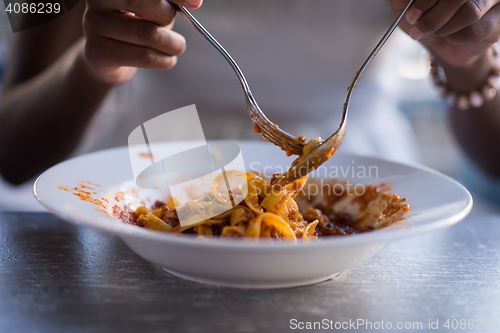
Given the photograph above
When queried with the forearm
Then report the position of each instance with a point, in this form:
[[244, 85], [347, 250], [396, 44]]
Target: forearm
[[42, 120], [461, 35], [477, 129]]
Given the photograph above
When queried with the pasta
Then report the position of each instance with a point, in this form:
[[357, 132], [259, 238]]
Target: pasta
[[269, 211], [266, 211]]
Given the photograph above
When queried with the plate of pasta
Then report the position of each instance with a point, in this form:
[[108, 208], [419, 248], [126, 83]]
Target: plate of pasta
[[242, 231]]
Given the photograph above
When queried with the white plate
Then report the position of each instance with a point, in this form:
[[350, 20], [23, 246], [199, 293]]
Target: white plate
[[437, 201]]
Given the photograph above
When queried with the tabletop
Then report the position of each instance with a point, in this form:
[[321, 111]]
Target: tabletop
[[55, 277]]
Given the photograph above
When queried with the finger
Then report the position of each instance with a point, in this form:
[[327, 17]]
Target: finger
[[468, 14], [397, 7], [418, 8], [191, 4], [486, 29], [159, 11], [436, 17], [109, 53], [130, 29]]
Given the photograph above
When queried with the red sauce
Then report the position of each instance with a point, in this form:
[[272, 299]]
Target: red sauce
[[124, 214], [95, 185], [83, 195], [371, 193], [331, 223], [147, 155]]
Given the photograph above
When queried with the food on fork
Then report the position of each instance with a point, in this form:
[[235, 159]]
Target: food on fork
[[272, 212]]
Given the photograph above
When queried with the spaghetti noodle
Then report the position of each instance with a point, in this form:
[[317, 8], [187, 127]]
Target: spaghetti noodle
[[267, 211]]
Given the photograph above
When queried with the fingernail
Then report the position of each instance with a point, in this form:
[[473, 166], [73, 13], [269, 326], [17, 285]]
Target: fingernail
[[413, 15], [194, 3], [416, 34]]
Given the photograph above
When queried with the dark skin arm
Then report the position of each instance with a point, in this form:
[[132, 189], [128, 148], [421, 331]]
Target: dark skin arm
[[478, 130], [58, 74], [56, 78], [460, 34], [42, 111]]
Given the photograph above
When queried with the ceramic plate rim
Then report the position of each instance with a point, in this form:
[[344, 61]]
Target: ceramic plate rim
[[121, 229]]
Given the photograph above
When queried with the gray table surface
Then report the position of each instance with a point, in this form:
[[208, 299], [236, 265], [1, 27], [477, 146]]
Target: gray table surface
[[55, 277]]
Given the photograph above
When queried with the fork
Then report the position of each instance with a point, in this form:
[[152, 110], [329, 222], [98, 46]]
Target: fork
[[318, 152]]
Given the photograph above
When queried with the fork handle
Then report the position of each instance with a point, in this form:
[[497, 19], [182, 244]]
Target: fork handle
[[372, 55], [197, 25]]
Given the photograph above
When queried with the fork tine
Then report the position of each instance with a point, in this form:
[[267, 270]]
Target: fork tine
[[285, 141], [274, 134], [319, 155]]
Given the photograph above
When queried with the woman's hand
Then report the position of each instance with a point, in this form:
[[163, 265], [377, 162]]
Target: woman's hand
[[456, 31], [460, 34], [122, 35]]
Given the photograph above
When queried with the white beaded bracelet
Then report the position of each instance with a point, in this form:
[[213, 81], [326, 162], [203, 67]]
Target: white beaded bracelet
[[464, 101]]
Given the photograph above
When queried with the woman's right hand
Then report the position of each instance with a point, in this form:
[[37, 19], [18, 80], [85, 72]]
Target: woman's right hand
[[456, 31], [122, 35]]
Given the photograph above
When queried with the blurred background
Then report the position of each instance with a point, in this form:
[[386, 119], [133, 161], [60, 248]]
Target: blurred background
[[425, 109], [418, 99]]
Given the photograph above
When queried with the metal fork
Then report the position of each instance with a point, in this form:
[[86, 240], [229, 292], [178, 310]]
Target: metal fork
[[292, 145]]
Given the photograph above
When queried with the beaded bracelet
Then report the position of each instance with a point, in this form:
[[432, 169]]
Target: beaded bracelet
[[476, 98]]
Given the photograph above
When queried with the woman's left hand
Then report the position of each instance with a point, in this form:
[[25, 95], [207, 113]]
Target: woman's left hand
[[456, 31]]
